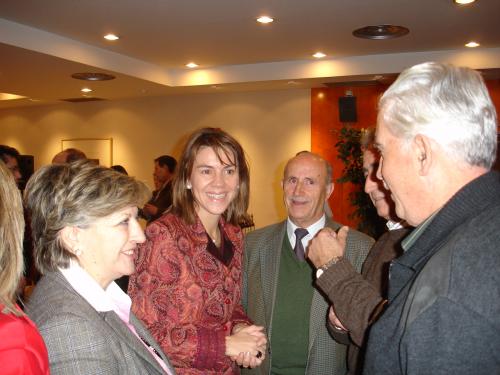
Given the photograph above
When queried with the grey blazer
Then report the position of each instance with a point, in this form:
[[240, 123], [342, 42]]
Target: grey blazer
[[81, 340], [260, 277]]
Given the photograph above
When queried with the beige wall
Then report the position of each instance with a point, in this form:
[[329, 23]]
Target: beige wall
[[271, 126]]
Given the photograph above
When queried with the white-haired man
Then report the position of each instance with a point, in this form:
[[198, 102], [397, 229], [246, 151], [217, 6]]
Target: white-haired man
[[437, 134]]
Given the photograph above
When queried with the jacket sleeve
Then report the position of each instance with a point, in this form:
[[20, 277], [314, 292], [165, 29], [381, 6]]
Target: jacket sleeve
[[167, 300], [353, 298]]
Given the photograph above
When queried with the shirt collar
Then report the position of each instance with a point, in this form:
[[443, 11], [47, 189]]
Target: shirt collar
[[393, 225], [417, 232], [312, 229], [102, 300]]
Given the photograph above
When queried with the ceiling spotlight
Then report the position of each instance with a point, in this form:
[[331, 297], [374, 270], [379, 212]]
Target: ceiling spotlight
[[111, 37], [319, 55], [192, 65], [86, 89], [472, 44], [463, 2], [265, 19], [380, 32]]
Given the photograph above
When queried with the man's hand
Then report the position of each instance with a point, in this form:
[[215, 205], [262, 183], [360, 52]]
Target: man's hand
[[327, 245], [337, 324]]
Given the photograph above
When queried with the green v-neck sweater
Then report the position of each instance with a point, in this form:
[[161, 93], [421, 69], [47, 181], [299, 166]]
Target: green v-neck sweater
[[290, 325]]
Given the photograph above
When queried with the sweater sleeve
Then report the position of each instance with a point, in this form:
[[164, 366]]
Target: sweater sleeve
[[173, 305], [354, 298]]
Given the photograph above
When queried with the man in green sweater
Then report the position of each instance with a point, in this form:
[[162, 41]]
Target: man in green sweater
[[278, 291]]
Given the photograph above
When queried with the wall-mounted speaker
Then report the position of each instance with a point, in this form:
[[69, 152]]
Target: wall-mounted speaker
[[347, 109]]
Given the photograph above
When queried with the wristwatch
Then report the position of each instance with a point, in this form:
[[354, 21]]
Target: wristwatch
[[327, 265]]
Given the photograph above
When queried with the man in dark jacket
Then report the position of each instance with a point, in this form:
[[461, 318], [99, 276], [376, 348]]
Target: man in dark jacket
[[437, 134]]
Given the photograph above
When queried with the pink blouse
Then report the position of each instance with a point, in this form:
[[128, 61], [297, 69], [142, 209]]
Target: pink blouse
[[187, 298]]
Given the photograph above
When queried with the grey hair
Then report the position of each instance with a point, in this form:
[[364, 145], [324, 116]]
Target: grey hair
[[449, 104], [74, 194]]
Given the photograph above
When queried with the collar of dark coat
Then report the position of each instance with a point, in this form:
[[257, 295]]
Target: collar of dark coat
[[466, 204]]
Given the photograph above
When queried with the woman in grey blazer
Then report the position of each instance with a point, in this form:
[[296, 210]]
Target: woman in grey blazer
[[85, 230]]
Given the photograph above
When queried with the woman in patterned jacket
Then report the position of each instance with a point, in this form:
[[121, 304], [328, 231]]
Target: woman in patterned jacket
[[187, 285]]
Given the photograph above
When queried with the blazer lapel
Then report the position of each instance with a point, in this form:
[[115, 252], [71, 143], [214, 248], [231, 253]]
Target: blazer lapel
[[270, 263], [143, 332], [132, 341]]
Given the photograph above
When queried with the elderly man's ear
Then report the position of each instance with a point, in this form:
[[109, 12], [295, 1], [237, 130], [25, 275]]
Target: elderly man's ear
[[423, 153]]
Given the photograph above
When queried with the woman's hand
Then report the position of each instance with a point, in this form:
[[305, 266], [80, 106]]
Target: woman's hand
[[246, 345]]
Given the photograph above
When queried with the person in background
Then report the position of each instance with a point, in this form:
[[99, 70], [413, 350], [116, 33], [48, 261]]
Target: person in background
[[119, 168], [187, 287], [68, 155], [9, 155], [278, 282], [22, 350], [85, 230], [162, 196], [357, 299], [437, 136]]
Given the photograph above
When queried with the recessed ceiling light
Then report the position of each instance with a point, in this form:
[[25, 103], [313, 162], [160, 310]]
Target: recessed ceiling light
[[86, 89], [380, 32], [111, 37], [192, 65], [93, 76], [464, 2], [472, 44], [265, 19], [319, 55]]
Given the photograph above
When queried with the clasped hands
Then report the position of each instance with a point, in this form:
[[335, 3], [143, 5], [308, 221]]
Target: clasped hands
[[247, 345]]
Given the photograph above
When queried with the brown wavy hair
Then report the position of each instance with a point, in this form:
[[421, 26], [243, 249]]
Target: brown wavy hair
[[223, 144]]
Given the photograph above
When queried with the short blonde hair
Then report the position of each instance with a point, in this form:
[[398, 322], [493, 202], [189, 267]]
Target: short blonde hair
[[75, 194], [11, 238]]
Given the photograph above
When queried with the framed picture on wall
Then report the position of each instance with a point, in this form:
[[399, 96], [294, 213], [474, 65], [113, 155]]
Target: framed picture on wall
[[99, 150]]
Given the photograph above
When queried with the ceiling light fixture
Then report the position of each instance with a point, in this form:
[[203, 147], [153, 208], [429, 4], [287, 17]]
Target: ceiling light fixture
[[463, 2], [265, 19], [93, 76], [319, 55], [111, 37], [7, 96], [472, 44], [192, 65], [379, 32], [86, 89]]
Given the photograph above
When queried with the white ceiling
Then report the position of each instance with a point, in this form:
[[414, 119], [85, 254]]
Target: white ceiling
[[43, 42]]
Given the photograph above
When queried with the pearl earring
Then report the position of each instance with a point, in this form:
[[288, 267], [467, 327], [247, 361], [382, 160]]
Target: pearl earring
[[189, 186], [78, 251]]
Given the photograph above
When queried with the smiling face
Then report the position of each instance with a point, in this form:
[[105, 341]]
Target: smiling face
[[305, 189], [214, 183], [379, 195], [108, 245]]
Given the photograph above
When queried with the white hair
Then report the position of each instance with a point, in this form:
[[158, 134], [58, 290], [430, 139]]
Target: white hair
[[449, 104]]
